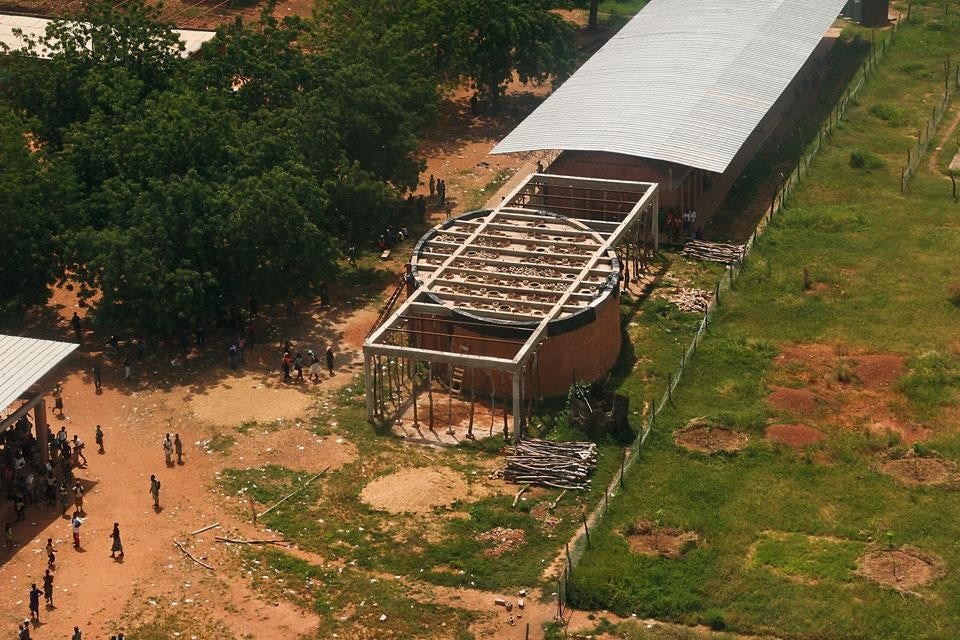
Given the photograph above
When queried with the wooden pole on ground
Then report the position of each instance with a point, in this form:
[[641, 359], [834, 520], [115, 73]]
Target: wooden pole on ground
[[191, 556], [302, 487]]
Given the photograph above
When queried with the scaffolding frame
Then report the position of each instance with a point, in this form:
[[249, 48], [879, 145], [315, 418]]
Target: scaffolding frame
[[559, 233]]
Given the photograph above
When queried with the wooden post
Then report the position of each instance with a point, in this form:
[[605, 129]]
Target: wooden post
[[623, 458], [430, 391], [586, 529]]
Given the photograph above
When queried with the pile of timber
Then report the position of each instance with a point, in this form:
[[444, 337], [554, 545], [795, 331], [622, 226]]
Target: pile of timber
[[713, 251], [561, 465], [690, 300]]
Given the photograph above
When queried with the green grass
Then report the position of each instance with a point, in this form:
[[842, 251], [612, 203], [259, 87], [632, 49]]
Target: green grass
[[349, 600], [889, 261]]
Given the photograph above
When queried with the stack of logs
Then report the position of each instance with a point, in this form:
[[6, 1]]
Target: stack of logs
[[561, 465], [713, 251]]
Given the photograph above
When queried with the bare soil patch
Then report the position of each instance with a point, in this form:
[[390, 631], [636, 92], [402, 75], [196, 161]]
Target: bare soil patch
[[796, 436], [650, 540], [293, 448], [503, 540], [798, 402], [879, 369], [698, 435], [903, 569], [416, 490], [854, 391], [914, 470]]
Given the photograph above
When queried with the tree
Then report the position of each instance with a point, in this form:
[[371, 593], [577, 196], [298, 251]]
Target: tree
[[33, 196], [490, 41]]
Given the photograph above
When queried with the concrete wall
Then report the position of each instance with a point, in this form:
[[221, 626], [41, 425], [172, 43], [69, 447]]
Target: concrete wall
[[586, 353]]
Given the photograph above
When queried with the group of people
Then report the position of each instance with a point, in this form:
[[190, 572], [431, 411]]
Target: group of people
[[438, 190], [387, 240], [293, 362], [679, 226]]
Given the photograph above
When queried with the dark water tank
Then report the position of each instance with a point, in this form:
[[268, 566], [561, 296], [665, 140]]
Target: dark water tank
[[875, 13], [869, 13]]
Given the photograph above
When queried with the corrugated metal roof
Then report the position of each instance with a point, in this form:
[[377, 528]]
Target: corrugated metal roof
[[34, 27], [685, 81], [23, 361]]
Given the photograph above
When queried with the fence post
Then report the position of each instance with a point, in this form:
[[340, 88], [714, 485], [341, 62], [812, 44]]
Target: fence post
[[586, 530], [623, 455]]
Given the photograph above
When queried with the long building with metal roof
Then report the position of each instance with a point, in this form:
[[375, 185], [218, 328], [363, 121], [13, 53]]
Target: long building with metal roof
[[13, 27], [685, 81]]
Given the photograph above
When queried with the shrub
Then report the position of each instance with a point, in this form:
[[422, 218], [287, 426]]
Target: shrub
[[889, 114], [932, 380], [953, 292], [713, 618], [865, 160]]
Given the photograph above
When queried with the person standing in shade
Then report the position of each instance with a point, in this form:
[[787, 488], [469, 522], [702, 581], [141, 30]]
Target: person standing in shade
[[35, 602], [433, 185], [76, 634], [77, 326], [48, 588], [178, 447], [314, 366], [330, 359], [98, 438], [155, 491], [117, 546], [97, 379], [75, 524]]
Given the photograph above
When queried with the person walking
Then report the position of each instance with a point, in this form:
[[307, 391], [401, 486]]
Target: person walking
[[48, 588], [76, 634], [97, 379], [98, 438], [178, 447], [433, 185], [117, 546], [314, 366], [155, 491], [78, 449], [168, 450], [78, 497], [75, 524], [285, 366], [8, 534], [51, 554], [330, 359], [233, 354], [35, 602]]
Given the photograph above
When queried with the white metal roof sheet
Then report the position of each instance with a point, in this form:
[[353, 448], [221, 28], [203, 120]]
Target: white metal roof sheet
[[684, 81], [23, 361], [34, 27]]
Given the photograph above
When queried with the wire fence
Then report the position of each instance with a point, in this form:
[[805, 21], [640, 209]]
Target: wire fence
[[581, 542], [925, 134]]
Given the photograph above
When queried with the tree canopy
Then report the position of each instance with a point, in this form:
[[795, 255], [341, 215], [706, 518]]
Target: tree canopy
[[173, 189]]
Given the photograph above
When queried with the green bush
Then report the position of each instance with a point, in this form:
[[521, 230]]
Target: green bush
[[954, 294], [713, 618], [932, 381], [865, 160], [889, 114]]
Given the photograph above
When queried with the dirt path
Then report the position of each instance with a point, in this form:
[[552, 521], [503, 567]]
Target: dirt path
[[933, 161]]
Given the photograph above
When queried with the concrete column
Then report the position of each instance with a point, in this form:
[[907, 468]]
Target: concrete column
[[40, 424], [368, 387], [655, 222], [515, 377]]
